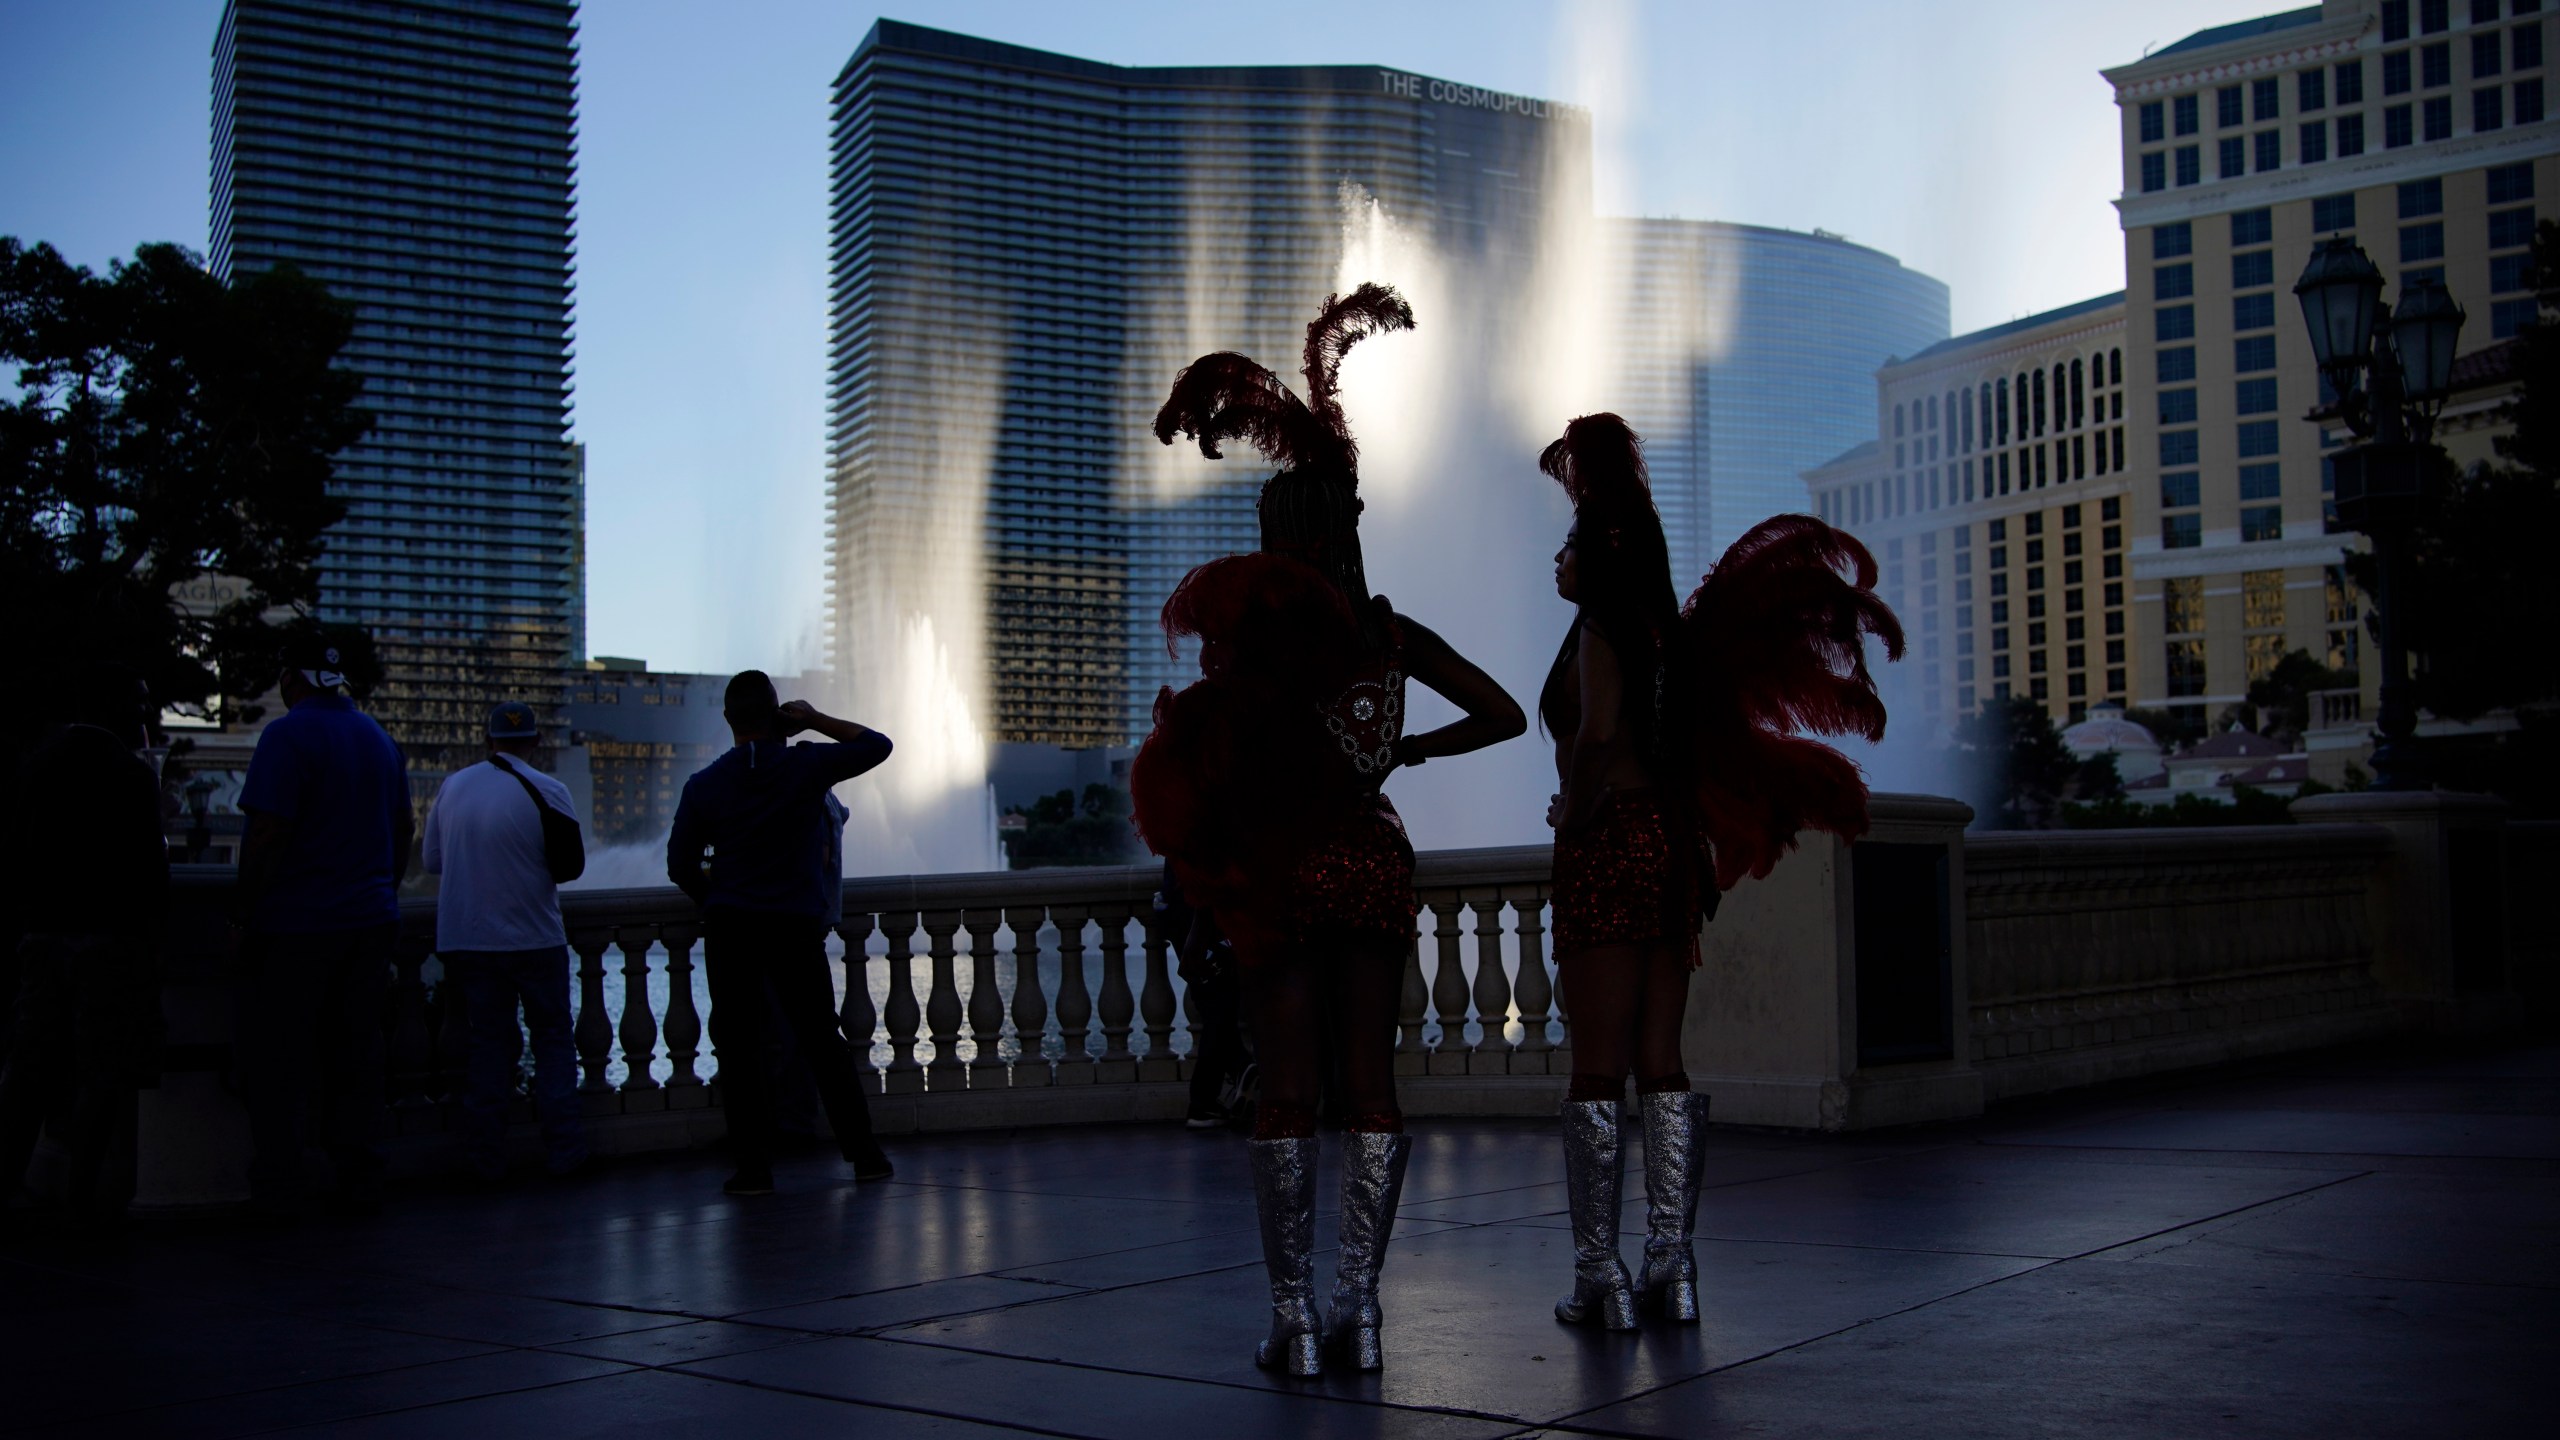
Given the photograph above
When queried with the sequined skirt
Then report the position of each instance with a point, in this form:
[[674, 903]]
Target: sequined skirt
[[1631, 877], [1358, 883]]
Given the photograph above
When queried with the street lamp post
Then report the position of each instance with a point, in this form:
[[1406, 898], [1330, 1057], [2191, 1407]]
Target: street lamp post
[[2391, 371]]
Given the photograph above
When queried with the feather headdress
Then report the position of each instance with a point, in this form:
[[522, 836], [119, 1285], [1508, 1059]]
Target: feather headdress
[[1226, 396]]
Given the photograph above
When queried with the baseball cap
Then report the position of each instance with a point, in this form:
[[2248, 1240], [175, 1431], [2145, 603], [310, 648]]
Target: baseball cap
[[319, 658], [513, 721]]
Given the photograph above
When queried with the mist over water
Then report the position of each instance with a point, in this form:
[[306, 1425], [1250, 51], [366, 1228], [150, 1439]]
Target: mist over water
[[1461, 528]]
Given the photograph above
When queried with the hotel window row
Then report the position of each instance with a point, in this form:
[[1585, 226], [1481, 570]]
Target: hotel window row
[[2050, 425], [2506, 87], [2053, 593]]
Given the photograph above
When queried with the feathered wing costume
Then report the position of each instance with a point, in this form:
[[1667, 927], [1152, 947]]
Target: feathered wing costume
[[1242, 779], [1771, 644], [1776, 643]]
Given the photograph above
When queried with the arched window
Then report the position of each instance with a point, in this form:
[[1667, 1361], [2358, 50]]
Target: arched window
[[1966, 430], [2115, 367], [1897, 422], [2038, 402], [2076, 413], [2098, 371], [2002, 386]]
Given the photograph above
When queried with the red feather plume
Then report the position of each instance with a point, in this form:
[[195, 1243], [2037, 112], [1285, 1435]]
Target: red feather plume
[[1777, 637], [1345, 321], [1226, 396]]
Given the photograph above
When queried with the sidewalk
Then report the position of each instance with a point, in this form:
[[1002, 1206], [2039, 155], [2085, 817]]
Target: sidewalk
[[2346, 1244]]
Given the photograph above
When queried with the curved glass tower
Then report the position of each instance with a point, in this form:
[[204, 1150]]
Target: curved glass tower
[[420, 158], [1748, 356]]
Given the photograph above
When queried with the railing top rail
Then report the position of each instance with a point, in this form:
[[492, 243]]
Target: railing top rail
[[2233, 844], [1132, 885]]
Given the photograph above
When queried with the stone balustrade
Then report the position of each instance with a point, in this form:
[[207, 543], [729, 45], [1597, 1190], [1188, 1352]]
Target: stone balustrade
[[1913, 975], [2100, 954]]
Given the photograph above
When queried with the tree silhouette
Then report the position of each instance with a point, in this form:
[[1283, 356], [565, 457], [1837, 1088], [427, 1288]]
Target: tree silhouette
[[165, 426]]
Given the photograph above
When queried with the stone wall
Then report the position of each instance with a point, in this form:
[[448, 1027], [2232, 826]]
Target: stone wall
[[2096, 955]]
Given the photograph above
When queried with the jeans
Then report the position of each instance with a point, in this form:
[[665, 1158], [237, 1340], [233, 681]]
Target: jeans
[[311, 1027], [749, 955], [493, 983], [1218, 1048]]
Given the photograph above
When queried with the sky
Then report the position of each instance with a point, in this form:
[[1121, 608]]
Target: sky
[[1974, 141]]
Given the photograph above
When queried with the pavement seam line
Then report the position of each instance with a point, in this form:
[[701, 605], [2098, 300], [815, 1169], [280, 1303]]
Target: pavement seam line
[[1254, 1389]]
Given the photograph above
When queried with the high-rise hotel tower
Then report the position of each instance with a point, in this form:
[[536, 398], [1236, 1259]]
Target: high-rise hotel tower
[[2422, 129], [1027, 247], [419, 157]]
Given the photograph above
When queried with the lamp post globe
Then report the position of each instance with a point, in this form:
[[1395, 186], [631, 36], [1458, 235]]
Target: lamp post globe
[[2341, 295], [2424, 328]]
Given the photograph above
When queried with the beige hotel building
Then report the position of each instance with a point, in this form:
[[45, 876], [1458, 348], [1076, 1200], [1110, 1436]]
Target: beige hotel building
[[2203, 550]]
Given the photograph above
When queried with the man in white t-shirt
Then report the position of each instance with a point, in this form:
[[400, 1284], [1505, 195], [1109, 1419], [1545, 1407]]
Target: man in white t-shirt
[[499, 935]]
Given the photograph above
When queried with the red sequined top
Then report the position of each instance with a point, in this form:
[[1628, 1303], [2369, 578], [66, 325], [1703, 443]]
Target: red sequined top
[[1260, 765]]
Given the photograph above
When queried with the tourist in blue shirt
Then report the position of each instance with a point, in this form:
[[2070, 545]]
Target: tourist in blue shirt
[[318, 899], [751, 844]]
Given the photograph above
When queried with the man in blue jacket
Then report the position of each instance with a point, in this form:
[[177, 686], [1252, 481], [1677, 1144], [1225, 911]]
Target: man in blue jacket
[[750, 845], [318, 897]]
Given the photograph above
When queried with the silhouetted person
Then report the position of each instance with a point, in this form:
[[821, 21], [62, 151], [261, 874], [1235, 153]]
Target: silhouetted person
[[750, 844], [92, 878], [1207, 963], [499, 934], [318, 899]]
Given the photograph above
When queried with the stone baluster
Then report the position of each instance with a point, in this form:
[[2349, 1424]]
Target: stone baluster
[[594, 1028], [1535, 991], [1492, 1052], [684, 1018], [1030, 1005], [1075, 1002], [1119, 1006], [905, 1076], [942, 1002], [986, 1005], [1413, 1010], [1155, 1007], [639, 1025], [1449, 990], [412, 1050], [860, 1017]]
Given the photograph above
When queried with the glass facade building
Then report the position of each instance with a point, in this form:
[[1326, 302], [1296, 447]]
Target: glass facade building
[[1748, 356], [1026, 248], [419, 158]]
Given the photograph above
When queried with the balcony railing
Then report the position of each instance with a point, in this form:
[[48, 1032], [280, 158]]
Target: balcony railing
[[1049, 996]]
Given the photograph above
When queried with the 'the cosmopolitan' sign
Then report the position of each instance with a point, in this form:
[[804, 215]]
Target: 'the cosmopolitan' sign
[[1418, 87]]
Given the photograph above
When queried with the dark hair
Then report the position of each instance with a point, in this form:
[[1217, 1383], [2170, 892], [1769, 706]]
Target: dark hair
[[750, 698], [1625, 582], [1313, 516]]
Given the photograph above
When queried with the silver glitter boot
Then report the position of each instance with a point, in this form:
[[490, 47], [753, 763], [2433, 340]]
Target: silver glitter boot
[[1372, 1183], [1602, 1294], [1674, 1122], [1284, 1194]]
